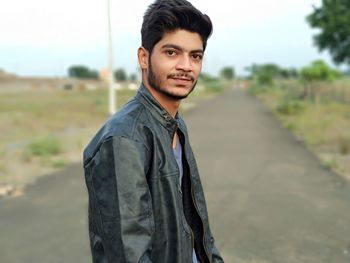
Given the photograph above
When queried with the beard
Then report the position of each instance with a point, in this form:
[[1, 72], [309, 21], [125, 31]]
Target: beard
[[155, 83]]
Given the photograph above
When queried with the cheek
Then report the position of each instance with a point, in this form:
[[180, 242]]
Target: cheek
[[198, 70], [161, 70]]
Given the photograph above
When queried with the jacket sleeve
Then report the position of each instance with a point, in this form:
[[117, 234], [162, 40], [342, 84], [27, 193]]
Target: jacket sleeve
[[120, 209]]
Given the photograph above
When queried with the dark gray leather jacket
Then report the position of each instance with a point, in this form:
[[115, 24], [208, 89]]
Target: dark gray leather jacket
[[138, 212]]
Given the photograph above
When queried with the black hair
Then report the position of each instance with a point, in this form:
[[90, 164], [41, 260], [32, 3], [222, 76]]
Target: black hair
[[165, 16]]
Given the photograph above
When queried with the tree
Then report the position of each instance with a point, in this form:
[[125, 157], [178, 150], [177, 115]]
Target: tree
[[227, 73], [287, 73], [333, 19], [317, 72], [264, 73], [82, 72], [120, 74], [133, 77]]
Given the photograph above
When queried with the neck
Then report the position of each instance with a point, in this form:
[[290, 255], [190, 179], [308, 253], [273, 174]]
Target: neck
[[170, 105]]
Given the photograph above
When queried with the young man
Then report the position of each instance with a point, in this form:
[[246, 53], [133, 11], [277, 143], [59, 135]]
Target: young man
[[146, 202]]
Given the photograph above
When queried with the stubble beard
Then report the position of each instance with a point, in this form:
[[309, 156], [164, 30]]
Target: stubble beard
[[155, 83]]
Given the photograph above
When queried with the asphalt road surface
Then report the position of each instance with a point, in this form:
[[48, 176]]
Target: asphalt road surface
[[269, 199]]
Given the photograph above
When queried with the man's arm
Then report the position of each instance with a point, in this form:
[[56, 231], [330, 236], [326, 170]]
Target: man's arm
[[120, 209]]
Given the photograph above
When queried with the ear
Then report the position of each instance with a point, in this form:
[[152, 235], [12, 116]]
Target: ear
[[143, 55]]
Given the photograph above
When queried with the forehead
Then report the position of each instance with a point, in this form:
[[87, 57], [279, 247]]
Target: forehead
[[185, 39]]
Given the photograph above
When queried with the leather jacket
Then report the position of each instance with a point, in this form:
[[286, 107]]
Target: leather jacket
[[139, 211]]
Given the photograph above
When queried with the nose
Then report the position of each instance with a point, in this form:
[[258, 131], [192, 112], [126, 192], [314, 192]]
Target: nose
[[184, 63]]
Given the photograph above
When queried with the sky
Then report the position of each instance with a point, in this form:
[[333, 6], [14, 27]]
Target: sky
[[44, 38]]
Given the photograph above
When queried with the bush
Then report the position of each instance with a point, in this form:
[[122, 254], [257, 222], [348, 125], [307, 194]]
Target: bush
[[58, 163], [344, 145], [45, 147], [290, 107], [255, 89], [215, 86], [330, 164], [212, 84]]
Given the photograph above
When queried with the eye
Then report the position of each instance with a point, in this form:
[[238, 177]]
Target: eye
[[170, 52], [197, 57]]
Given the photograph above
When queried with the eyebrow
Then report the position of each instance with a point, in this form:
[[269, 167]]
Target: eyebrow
[[181, 49]]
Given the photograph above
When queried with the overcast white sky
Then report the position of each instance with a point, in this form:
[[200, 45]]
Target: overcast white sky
[[45, 37]]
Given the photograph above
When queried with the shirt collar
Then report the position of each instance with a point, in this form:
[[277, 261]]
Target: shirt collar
[[156, 109]]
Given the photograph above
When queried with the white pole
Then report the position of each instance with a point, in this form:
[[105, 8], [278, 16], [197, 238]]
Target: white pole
[[112, 92]]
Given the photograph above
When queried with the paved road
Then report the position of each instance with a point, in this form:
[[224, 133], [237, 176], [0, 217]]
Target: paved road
[[269, 199]]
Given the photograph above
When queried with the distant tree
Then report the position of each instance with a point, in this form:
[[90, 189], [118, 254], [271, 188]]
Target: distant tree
[[253, 70], [120, 75], [227, 73], [317, 72], [288, 73], [265, 73], [82, 72], [133, 77], [333, 20]]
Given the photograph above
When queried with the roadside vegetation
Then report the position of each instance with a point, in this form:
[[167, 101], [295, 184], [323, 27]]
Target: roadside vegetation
[[43, 131], [314, 103]]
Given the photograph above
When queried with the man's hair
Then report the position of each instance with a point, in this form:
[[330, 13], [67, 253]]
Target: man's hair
[[164, 16]]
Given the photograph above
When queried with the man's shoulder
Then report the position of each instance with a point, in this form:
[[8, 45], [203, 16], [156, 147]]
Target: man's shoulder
[[125, 123]]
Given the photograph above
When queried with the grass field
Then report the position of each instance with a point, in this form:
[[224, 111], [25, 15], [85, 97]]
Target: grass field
[[42, 131]]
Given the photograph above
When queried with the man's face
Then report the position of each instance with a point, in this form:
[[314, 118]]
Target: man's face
[[175, 64]]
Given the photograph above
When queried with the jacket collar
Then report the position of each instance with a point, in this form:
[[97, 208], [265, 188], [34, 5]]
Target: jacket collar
[[156, 109]]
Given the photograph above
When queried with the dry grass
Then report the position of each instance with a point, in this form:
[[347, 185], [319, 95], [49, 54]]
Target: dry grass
[[43, 131]]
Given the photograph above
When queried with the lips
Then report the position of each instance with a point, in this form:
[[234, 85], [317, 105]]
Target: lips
[[181, 78], [182, 81]]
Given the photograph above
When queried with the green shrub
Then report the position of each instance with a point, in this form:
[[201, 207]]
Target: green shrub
[[330, 164], [58, 163], [290, 107], [45, 146], [256, 89], [213, 84], [344, 144]]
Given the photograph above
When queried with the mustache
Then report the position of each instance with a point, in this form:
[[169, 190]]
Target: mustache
[[181, 75]]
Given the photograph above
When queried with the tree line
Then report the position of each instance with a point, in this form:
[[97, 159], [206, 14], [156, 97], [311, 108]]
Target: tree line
[[84, 72]]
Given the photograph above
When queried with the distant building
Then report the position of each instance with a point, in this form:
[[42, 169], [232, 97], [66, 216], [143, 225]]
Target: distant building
[[104, 75]]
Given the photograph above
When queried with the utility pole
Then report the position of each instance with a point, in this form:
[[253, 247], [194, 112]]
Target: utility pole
[[112, 92]]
